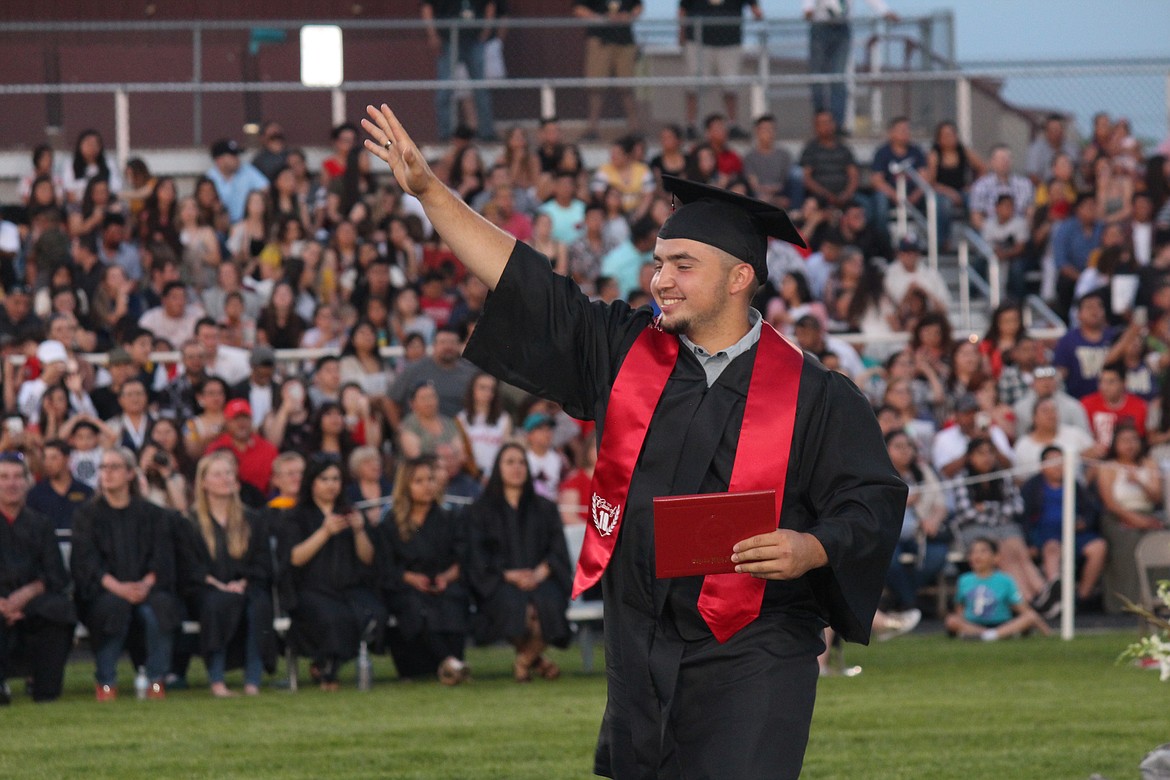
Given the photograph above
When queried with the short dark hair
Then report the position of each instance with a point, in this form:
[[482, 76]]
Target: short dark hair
[[60, 445], [991, 543], [764, 118], [173, 285], [711, 119], [336, 132], [1116, 367], [202, 321]]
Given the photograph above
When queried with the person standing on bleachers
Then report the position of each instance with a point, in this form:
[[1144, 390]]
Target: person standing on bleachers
[[124, 575], [36, 616]]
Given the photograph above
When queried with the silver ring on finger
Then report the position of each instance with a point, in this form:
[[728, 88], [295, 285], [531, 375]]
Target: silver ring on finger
[[388, 144]]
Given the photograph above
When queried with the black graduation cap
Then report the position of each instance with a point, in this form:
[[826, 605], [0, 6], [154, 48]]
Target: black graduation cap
[[735, 223]]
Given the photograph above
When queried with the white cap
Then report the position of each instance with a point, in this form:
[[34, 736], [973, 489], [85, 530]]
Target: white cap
[[51, 352]]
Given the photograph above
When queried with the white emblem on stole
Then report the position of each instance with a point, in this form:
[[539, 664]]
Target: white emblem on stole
[[605, 515]]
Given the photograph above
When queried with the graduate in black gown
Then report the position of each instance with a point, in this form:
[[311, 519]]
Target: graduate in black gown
[[123, 564], [683, 700], [233, 569], [328, 548], [421, 551], [518, 567], [36, 615]]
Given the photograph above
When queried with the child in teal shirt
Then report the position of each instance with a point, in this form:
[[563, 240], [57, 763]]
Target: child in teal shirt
[[988, 605]]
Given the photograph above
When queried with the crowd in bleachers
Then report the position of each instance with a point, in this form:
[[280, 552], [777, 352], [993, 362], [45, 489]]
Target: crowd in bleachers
[[263, 254]]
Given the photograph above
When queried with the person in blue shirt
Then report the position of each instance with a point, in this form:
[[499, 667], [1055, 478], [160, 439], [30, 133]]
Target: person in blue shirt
[[1073, 241], [233, 179], [565, 209], [624, 262], [1043, 504], [57, 494], [988, 605]]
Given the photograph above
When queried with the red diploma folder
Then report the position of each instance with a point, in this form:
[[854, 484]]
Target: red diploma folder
[[694, 534]]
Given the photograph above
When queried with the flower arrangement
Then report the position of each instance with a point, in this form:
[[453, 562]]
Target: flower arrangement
[[1155, 648]]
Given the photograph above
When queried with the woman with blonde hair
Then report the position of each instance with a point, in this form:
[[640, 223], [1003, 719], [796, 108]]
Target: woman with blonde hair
[[233, 568], [422, 546]]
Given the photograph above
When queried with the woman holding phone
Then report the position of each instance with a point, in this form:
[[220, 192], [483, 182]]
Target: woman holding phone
[[326, 546]]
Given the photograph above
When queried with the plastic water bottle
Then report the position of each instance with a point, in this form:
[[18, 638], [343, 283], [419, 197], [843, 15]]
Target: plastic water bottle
[[365, 670], [141, 684]]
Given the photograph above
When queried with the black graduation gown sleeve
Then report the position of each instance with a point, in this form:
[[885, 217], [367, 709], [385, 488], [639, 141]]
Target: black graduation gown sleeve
[[857, 504], [543, 335], [85, 558], [29, 553]]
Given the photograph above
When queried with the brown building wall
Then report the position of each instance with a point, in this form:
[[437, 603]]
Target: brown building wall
[[166, 120]]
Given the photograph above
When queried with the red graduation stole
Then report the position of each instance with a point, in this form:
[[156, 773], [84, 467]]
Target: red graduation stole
[[727, 602]]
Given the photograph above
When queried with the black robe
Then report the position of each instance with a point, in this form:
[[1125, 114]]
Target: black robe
[[29, 552], [429, 627], [504, 538], [128, 544], [840, 487], [435, 546], [336, 601], [221, 613], [38, 644]]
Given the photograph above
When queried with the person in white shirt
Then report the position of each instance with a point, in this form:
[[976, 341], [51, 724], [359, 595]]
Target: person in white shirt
[[545, 463], [1141, 228], [175, 319], [231, 364], [52, 356], [948, 453], [908, 273]]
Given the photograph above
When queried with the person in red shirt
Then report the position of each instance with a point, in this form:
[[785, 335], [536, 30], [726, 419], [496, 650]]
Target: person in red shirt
[[1111, 405], [727, 161], [434, 300], [253, 452]]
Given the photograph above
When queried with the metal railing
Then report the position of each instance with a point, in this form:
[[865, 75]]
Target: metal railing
[[967, 240]]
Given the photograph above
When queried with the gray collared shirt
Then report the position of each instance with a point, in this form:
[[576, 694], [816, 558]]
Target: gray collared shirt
[[713, 365]]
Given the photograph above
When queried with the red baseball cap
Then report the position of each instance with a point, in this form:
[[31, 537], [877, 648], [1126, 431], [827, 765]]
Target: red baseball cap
[[237, 407]]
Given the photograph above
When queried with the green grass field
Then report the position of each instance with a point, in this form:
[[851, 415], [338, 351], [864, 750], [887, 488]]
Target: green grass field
[[924, 707]]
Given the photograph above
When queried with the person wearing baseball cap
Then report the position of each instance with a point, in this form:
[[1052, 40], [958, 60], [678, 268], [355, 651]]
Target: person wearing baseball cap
[[233, 179], [52, 356], [717, 673], [253, 452]]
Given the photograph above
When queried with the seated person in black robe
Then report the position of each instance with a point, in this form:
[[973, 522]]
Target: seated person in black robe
[[518, 567], [328, 547], [421, 548], [36, 615], [234, 571], [123, 564]]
